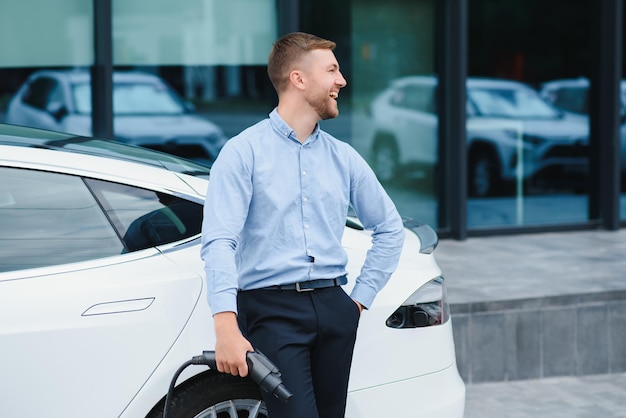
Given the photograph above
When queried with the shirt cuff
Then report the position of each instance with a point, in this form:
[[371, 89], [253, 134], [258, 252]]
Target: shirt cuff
[[363, 294], [225, 301]]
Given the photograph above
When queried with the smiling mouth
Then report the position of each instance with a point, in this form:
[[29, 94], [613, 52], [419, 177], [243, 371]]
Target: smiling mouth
[[334, 95]]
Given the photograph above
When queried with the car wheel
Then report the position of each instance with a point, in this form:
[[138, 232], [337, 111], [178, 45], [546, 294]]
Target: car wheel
[[483, 175], [385, 158], [216, 395]]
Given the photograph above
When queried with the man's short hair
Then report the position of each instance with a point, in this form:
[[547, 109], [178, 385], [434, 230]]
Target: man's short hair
[[287, 51]]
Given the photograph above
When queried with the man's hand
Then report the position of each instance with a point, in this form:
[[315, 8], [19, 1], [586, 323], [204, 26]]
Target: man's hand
[[231, 347], [359, 306]]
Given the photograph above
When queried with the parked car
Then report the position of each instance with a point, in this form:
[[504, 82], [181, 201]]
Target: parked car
[[147, 112], [511, 134], [572, 95], [103, 298]]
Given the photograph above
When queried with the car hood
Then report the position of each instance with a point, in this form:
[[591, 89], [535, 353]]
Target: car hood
[[164, 126], [557, 129], [142, 126]]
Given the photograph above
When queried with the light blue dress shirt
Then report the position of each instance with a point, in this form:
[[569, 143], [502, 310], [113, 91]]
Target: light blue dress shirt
[[276, 209]]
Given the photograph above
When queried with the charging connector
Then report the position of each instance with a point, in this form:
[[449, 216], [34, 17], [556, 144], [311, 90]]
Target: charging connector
[[260, 369]]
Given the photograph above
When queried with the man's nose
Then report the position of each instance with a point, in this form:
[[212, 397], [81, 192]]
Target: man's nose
[[341, 82]]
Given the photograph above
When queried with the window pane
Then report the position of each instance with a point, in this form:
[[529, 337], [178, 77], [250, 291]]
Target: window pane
[[214, 54], [528, 144], [193, 32], [46, 33], [393, 109], [48, 219], [37, 35]]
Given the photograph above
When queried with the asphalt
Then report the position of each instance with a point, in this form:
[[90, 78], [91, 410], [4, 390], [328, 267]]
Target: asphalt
[[488, 269]]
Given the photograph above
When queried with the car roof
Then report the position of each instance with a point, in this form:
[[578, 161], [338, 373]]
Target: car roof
[[83, 76], [572, 82], [472, 82], [478, 82], [25, 137]]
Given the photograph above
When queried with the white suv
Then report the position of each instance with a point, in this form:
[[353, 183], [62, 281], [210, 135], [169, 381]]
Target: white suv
[[146, 112], [572, 95], [511, 134]]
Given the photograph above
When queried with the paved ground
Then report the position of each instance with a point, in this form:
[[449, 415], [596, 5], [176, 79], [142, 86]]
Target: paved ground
[[535, 265], [598, 396]]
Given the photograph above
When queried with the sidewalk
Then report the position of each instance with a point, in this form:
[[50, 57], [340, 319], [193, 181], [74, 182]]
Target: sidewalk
[[558, 397], [488, 269], [484, 272]]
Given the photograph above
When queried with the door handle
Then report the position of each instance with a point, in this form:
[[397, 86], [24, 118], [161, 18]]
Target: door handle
[[121, 306]]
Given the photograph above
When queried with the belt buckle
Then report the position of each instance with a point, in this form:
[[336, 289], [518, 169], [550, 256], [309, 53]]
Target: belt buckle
[[300, 290]]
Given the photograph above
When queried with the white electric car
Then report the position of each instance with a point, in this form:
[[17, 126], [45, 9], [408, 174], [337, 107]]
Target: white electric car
[[102, 295]]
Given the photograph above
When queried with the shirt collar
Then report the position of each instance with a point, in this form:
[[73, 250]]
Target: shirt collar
[[281, 126]]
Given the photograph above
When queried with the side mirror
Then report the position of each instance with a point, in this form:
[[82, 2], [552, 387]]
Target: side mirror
[[427, 235], [57, 110]]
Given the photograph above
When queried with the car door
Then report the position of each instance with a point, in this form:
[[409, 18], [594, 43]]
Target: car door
[[31, 108], [85, 319], [416, 123]]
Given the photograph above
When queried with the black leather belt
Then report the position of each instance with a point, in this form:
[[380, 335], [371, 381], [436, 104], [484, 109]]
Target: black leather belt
[[310, 285]]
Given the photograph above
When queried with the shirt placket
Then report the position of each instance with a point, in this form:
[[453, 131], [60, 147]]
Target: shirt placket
[[307, 215]]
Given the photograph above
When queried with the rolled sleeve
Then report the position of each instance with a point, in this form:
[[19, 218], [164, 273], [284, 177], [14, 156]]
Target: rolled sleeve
[[377, 212]]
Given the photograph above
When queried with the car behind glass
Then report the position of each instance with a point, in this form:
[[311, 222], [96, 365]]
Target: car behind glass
[[512, 134], [147, 112], [572, 95]]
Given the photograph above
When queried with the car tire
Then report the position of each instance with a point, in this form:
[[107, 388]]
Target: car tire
[[385, 158], [483, 178], [215, 395]]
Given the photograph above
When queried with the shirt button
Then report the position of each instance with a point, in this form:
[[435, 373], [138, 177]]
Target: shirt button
[[306, 226], [304, 199], [303, 172]]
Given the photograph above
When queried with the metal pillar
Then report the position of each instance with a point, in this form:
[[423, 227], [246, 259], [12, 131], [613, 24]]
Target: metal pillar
[[604, 111], [102, 71], [452, 69]]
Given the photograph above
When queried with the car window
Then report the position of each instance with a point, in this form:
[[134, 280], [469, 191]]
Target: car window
[[145, 218], [469, 109], [55, 95], [415, 97], [139, 98], [572, 99], [510, 103], [48, 219], [39, 91]]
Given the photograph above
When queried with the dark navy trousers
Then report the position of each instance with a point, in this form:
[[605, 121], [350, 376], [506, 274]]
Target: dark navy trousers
[[310, 336]]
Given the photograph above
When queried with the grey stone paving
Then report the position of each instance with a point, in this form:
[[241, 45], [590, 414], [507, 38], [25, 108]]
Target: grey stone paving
[[518, 267], [597, 396], [533, 265]]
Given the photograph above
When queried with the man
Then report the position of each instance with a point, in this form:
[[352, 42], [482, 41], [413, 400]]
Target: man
[[274, 216]]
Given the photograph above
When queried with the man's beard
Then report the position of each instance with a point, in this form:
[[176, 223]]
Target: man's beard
[[323, 107]]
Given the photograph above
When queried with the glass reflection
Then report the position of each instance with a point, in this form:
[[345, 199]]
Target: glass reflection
[[572, 95], [539, 149], [393, 102]]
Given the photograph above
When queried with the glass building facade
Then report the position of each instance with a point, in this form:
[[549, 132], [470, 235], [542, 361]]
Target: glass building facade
[[478, 117]]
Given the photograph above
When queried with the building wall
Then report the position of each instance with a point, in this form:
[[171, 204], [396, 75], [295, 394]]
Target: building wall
[[527, 168]]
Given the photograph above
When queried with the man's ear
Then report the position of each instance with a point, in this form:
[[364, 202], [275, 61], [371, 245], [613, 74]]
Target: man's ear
[[296, 77]]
